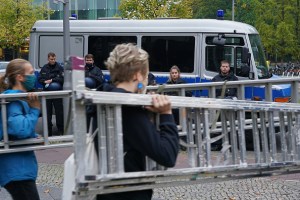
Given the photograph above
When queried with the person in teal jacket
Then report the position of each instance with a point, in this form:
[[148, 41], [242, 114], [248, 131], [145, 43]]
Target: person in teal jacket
[[18, 171]]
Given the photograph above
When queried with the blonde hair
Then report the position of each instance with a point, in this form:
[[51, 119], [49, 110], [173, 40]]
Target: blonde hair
[[125, 61], [14, 68]]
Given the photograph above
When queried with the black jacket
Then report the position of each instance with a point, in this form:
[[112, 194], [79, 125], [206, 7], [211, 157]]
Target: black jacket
[[229, 92], [141, 138], [95, 73], [178, 81], [51, 72]]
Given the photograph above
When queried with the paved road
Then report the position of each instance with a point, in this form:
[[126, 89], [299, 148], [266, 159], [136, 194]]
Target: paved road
[[50, 181]]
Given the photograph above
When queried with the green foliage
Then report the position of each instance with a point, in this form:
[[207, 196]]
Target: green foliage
[[151, 9], [204, 9], [276, 25], [16, 19]]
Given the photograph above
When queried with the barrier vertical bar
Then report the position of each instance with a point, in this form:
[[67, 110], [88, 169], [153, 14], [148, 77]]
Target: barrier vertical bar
[[297, 134], [233, 136], [268, 92], [119, 139], [45, 123], [272, 136], [206, 134], [264, 136], [241, 92], [225, 140], [241, 132], [102, 147], [4, 122], [282, 136], [190, 138], [110, 140], [256, 140], [291, 143], [198, 136], [295, 92]]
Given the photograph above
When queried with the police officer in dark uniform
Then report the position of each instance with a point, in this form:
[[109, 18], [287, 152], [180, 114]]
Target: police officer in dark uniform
[[52, 79], [225, 75], [93, 74]]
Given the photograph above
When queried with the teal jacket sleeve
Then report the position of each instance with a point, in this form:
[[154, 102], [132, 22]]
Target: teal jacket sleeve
[[21, 120]]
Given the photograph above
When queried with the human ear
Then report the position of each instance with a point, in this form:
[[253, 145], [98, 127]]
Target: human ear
[[20, 78]]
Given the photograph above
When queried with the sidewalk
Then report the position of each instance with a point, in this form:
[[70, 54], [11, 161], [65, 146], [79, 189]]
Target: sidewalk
[[50, 182]]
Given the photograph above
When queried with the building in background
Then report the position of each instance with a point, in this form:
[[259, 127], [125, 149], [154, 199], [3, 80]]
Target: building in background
[[84, 9]]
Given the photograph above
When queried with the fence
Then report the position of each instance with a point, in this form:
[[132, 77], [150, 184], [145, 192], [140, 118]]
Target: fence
[[42, 142], [270, 155]]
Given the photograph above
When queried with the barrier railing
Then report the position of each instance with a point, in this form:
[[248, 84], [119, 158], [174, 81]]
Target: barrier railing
[[231, 162], [43, 141], [268, 85], [270, 155]]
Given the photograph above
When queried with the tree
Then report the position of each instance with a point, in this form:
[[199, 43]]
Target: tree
[[16, 20], [245, 11], [150, 9], [204, 9], [276, 25]]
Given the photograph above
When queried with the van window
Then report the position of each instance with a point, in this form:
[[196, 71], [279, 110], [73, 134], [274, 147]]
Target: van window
[[166, 51], [54, 43], [214, 56], [239, 41], [101, 46]]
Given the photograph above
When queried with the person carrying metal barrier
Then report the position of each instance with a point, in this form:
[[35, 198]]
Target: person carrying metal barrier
[[129, 67], [19, 170]]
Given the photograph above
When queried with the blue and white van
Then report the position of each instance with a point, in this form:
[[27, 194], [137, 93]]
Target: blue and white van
[[196, 46]]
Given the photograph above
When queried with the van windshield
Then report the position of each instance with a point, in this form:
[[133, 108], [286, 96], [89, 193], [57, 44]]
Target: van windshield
[[259, 56]]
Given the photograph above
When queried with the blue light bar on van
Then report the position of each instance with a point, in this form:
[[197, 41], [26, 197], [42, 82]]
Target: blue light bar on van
[[73, 16], [220, 14]]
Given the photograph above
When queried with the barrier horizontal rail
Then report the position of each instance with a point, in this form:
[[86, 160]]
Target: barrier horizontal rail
[[185, 102], [240, 85]]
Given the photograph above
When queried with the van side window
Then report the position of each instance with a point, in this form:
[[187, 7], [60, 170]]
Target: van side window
[[101, 46], [215, 54], [166, 51], [231, 51]]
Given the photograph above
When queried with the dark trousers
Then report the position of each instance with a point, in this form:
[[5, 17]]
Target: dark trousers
[[22, 190], [59, 114]]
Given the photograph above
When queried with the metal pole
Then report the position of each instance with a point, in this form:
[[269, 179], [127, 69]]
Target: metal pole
[[66, 29], [67, 68], [232, 10]]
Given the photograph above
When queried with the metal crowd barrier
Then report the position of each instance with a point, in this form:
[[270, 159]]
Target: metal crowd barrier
[[270, 155], [268, 85], [44, 141]]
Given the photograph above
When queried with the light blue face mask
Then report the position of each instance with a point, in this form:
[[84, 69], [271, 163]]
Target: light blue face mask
[[29, 82]]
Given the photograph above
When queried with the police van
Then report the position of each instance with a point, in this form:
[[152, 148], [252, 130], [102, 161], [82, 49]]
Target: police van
[[196, 46]]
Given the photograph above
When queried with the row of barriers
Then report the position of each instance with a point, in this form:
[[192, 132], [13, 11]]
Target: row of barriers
[[276, 136]]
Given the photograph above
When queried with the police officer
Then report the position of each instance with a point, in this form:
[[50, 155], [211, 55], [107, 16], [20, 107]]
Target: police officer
[[225, 75], [52, 78], [93, 74]]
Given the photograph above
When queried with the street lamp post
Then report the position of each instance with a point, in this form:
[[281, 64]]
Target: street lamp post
[[66, 40], [232, 10], [67, 69]]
